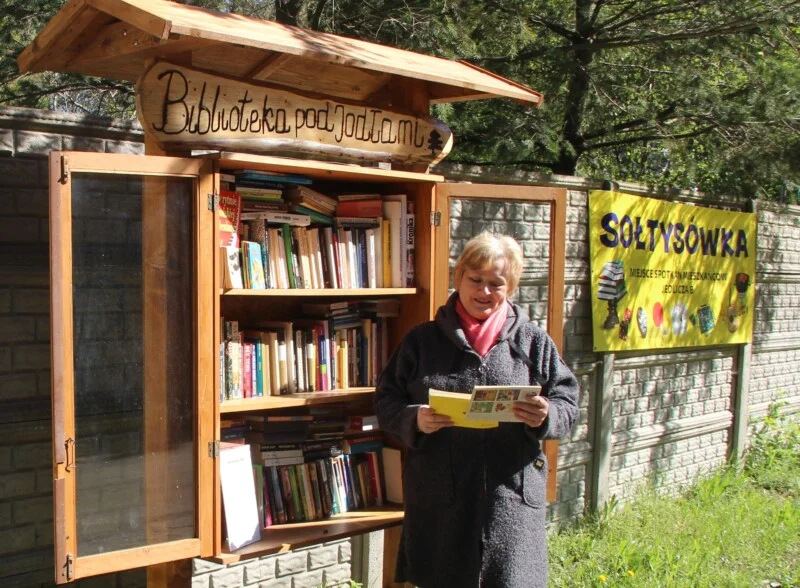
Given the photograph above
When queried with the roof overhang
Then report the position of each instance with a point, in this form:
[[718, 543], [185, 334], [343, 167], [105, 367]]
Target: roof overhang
[[119, 39]]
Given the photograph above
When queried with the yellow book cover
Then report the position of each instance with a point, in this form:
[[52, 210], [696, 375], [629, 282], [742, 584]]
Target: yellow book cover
[[386, 253], [455, 405], [484, 408]]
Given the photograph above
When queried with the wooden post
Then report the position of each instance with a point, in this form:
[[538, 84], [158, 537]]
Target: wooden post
[[412, 96], [602, 434], [741, 404]]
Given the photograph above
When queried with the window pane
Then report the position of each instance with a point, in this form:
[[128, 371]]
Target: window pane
[[528, 223], [133, 284]]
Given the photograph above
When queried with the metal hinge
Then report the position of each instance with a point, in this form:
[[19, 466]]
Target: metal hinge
[[69, 567], [213, 202], [69, 450], [64, 178], [213, 449], [436, 218]]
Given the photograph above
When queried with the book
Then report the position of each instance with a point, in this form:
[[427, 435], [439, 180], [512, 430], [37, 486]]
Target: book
[[392, 474], [359, 208], [484, 408], [402, 237], [367, 422], [239, 502], [258, 234], [289, 255], [393, 212], [273, 485], [259, 193], [324, 487], [311, 198], [285, 356], [304, 486], [411, 245], [229, 211], [281, 461], [315, 257], [331, 275], [233, 360], [283, 218], [386, 252], [264, 515], [277, 252], [372, 270], [351, 197], [251, 252], [374, 463], [232, 266], [255, 176], [316, 217], [304, 257], [316, 494], [286, 493], [263, 205], [279, 453], [363, 222]]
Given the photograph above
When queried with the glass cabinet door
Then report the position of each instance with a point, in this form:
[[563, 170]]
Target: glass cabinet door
[[132, 256], [536, 217]]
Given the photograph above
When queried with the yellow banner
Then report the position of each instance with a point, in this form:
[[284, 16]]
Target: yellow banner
[[669, 275]]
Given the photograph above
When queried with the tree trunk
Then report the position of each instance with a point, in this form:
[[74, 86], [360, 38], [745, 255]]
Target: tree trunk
[[577, 90], [286, 11]]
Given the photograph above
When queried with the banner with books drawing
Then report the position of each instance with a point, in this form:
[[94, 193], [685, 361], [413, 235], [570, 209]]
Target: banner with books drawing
[[666, 275]]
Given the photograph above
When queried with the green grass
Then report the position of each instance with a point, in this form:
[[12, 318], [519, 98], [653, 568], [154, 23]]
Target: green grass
[[737, 528]]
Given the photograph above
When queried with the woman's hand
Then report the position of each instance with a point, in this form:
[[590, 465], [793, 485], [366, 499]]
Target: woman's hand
[[428, 421], [532, 412]]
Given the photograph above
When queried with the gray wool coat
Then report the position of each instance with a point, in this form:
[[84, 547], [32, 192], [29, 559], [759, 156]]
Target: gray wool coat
[[474, 498]]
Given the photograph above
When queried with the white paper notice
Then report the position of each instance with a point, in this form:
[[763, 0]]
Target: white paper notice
[[239, 496]]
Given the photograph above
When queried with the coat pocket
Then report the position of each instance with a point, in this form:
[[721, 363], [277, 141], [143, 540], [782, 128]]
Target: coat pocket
[[428, 473], [534, 481]]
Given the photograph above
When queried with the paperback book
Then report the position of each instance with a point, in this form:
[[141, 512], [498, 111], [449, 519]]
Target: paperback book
[[484, 408]]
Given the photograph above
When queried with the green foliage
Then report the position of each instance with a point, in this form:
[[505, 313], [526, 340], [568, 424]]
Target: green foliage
[[736, 527], [690, 94], [725, 532], [773, 459]]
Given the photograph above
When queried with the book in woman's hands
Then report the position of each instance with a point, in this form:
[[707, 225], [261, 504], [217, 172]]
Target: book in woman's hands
[[484, 408]]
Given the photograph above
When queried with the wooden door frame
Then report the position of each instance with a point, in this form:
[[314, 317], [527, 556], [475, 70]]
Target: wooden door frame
[[69, 566], [556, 199]]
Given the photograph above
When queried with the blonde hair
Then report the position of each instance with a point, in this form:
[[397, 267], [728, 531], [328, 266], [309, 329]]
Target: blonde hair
[[483, 250]]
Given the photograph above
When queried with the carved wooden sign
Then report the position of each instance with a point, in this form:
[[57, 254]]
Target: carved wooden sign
[[179, 106]]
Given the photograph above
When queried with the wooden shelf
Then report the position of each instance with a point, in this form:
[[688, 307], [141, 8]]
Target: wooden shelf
[[287, 400], [320, 170], [319, 292], [283, 538]]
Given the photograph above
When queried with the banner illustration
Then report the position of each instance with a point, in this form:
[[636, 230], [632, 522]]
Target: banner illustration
[[669, 275]]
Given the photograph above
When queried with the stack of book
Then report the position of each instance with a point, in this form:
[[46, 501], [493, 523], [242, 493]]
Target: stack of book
[[336, 346], [314, 478], [281, 233], [305, 200]]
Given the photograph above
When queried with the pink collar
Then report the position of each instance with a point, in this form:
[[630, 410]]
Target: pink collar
[[482, 335]]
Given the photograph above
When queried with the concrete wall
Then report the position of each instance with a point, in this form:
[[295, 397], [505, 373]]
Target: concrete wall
[[665, 416]]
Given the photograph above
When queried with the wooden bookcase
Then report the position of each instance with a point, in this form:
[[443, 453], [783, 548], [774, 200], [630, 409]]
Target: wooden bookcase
[[274, 304], [136, 303], [110, 187]]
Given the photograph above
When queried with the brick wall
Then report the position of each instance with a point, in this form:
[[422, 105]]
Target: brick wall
[[775, 376], [320, 565], [26, 507], [671, 414]]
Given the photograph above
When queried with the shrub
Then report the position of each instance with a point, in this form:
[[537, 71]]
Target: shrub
[[773, 458]]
